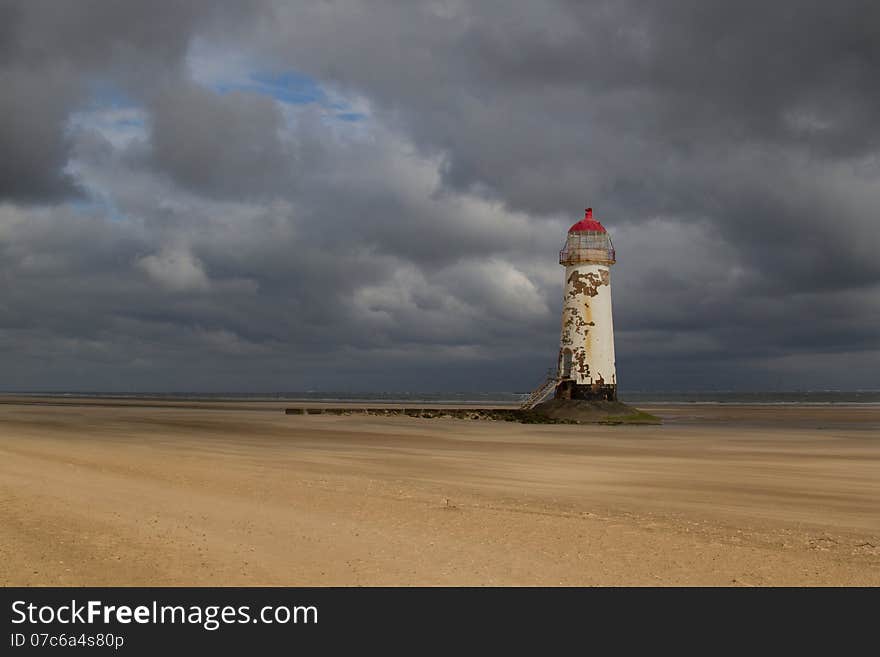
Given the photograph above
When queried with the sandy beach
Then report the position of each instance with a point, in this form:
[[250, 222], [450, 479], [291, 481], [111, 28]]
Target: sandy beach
[[237, 493]]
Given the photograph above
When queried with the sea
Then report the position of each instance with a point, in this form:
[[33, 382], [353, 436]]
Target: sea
[[805, 397]]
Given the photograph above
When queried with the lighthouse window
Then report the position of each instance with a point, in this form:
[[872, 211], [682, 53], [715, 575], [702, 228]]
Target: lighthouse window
[[566, 363]]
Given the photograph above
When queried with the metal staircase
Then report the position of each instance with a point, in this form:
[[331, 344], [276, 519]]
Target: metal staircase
[[541, 393]]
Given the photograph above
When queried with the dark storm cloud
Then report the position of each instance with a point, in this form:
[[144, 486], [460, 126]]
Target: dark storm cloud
[[223, 145], [227, 239], [32, 140], [51, 54]]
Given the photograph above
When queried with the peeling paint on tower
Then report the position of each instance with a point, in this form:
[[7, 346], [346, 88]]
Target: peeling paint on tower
[[587, 283]]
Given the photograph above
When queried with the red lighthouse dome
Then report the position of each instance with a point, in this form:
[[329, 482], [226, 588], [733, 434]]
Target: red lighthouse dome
[[587, 223]]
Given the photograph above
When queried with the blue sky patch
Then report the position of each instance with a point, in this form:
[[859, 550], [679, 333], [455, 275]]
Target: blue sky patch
[[351, 116], [290, 87], [103, 93]]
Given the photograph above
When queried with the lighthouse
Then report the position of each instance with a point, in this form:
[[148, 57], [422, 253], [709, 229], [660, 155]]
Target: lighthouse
[[586, 347]]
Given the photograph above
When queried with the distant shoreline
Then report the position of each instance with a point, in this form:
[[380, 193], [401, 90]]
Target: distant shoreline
[[500, 400], [43, 398]]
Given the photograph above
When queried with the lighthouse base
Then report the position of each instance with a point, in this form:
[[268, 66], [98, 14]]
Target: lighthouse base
[[588, 392]]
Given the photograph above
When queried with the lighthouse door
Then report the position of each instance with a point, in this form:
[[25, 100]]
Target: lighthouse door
[[566, 364]]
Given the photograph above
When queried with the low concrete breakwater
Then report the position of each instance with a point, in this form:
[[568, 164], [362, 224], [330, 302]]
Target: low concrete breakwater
[[503, 414], [591, 413]]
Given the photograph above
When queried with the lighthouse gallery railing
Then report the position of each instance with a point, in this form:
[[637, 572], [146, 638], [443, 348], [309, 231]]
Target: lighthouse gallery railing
[[587, 247]]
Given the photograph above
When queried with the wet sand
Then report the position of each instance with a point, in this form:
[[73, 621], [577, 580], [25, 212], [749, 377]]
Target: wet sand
[[122, 493]]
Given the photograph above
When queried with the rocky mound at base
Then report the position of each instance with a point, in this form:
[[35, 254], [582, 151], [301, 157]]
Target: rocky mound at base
[[604, 412]]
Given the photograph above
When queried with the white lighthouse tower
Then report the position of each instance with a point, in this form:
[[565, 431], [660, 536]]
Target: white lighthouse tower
[[586, 348]]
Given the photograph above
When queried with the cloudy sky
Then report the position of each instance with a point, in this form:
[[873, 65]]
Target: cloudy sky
[[339, 195]]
